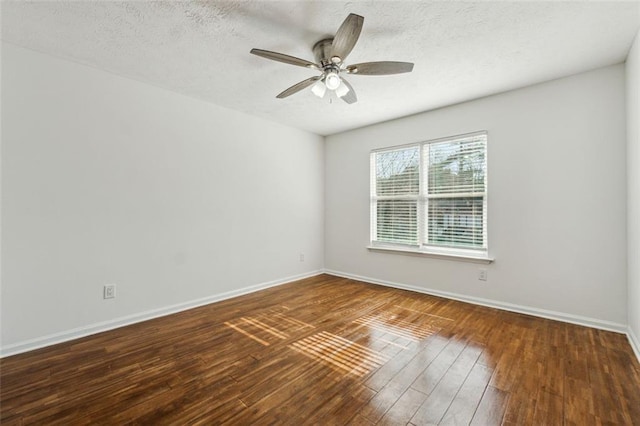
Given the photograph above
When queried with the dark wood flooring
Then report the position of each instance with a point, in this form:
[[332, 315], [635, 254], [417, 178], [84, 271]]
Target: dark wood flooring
[[330, 351]]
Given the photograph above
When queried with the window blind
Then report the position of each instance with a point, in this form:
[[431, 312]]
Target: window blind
[[431, 194], [396, 191], [456, 192]]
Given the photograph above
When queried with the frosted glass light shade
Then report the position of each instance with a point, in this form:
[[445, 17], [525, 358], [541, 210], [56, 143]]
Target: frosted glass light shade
[[319, 89], [342, 90], [332, 81]]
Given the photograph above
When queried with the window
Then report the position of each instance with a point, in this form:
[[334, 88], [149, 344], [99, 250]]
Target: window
[[431, 197]]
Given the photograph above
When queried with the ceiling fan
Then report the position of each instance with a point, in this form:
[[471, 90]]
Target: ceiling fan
[[330, 54]]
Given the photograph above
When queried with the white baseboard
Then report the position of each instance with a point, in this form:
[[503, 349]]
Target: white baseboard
[[64, 336], [543, 313], [634, 342]]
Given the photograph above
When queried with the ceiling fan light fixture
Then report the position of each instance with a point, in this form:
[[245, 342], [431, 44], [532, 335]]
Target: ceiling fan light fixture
[[332, 80], [330, 55], [319, 89], [342, 89]]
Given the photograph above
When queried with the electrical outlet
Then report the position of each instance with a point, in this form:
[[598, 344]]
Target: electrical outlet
[[482, 274], [301, 257], [109, 291]]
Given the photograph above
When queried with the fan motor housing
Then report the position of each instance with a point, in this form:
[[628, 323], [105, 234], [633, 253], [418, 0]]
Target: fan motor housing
[[322, 51]]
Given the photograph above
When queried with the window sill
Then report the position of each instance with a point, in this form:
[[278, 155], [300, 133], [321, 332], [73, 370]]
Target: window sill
[[463, 257]]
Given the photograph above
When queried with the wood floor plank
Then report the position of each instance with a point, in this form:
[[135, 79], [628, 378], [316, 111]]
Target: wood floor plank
[[519, 409], [508, 366], [334, 351], [552, 371], [430, 376], [384, 399], [491, 409], [464, 405], [358, 420], [384, 374], [343, 404], [548, 410], [439, 400], [404, 408]]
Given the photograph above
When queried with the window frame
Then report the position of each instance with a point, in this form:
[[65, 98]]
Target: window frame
[[423, 248]]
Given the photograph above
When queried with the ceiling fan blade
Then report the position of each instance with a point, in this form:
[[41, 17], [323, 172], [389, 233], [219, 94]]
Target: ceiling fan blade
[[347, 36], [281, 57], [350, 97], [380, 68], [298, 87]]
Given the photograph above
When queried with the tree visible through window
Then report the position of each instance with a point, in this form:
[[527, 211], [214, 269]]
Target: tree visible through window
[[431, 195]]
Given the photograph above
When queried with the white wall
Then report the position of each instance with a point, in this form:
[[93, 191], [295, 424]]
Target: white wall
[[109, 180], [557, 199], [633, 189]]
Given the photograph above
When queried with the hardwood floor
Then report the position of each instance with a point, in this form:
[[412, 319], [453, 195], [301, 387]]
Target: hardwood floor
[[328, 350]]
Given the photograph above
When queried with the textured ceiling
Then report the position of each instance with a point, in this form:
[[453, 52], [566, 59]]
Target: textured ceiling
[[461, 50]]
